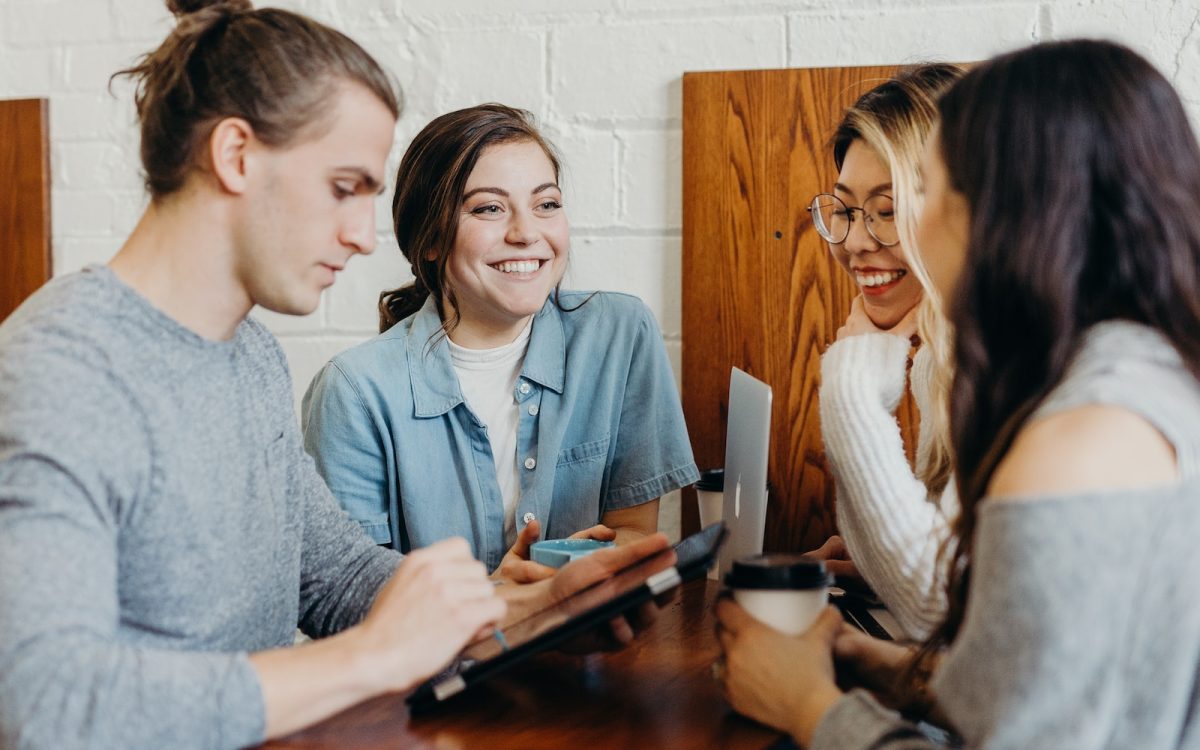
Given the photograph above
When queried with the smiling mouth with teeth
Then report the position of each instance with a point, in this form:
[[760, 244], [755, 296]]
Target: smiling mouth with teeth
[[517, 266], [878, 278]]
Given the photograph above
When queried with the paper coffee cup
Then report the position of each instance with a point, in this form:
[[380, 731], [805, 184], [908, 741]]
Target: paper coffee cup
[[710, 496], [787, 592], [710, 492]]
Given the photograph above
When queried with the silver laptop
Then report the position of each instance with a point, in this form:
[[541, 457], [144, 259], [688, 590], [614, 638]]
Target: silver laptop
[[747, 440]]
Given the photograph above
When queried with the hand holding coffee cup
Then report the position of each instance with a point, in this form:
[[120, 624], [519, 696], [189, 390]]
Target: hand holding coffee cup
[[786, 592]]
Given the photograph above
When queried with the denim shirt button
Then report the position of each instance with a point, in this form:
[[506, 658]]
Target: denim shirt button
[[533, 410], [528, 518], [530, 463], [524, 388]]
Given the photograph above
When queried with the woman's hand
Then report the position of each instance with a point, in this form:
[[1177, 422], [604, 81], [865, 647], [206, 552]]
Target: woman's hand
[[438, 600], [516, 567], [837, 558], [872, 663], [600, 566], [858, 323], [585, 572], [783, 681]]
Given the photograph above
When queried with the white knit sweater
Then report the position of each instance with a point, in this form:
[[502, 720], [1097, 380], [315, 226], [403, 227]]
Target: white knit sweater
[[892, 527]]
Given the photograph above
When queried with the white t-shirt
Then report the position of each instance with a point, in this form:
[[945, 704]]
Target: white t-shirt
[[488, 378]]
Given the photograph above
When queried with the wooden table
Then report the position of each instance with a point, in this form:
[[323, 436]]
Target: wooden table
[[657, 693]]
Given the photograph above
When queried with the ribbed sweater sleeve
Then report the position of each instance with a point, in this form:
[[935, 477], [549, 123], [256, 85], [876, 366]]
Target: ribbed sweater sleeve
[[891, 527]]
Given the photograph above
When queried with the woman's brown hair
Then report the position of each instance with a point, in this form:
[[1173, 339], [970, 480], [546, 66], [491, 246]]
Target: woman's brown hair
[[275, 69], [429, 187]]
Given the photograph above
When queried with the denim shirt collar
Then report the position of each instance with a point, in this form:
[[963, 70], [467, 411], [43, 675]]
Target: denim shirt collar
[[435, 388]]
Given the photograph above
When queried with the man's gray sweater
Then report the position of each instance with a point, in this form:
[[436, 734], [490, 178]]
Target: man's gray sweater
[[159, 519]]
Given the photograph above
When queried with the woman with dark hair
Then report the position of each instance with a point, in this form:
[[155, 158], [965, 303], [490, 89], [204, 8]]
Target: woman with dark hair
[[1059, 222], [493, 405]]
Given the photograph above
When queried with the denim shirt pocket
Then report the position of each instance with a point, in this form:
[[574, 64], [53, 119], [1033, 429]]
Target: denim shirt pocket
[[578, 478]]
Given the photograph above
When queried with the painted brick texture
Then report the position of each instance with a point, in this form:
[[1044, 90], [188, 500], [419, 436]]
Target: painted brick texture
[[603, 77]]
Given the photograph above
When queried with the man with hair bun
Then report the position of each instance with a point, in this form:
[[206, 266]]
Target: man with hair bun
[[162, 532]]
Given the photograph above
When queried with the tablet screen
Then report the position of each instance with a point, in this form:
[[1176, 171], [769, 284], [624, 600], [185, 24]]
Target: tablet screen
[[689, 553], [575, 615]]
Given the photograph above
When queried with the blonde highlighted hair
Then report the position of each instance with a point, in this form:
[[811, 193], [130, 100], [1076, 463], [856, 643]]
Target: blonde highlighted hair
[[894, 119]]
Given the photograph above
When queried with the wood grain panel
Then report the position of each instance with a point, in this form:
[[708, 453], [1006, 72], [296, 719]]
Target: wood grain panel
[[24, 200], [760, 289]]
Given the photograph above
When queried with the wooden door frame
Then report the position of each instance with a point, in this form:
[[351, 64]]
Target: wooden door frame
[[25, 263]]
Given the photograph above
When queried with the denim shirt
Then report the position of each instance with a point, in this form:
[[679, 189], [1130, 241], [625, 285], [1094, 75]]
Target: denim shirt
[[601, 428]]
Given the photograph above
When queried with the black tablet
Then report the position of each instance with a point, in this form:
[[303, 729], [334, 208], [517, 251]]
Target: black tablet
[[578, 614]]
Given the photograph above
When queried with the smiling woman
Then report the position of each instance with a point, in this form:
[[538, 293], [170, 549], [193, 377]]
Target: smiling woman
[[511, 248], [868, 246], [494, 406], [891, 517]]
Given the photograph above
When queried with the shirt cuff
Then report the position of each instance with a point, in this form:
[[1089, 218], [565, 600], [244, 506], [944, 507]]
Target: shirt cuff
[[241, 705], [636, 494]]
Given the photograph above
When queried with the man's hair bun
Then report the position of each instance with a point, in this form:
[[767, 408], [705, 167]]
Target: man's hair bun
[[185, 7]]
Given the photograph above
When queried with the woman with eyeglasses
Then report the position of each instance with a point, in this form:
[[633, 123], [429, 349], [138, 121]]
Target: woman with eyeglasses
[[892, 520], [1059, 224]]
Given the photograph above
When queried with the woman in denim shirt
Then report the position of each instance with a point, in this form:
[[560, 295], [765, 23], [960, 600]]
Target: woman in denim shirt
[[494, 406]]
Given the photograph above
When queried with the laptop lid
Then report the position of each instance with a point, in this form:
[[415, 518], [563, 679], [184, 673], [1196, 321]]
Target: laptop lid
[[747, 440]]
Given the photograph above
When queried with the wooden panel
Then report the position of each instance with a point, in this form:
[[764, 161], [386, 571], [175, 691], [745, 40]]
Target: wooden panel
[[24, 200], [760, 289]]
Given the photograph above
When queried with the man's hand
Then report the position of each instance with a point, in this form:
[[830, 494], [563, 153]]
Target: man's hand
[[438, 600]]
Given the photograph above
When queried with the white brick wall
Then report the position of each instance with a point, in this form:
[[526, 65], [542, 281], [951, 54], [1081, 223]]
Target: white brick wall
[[603, 76]]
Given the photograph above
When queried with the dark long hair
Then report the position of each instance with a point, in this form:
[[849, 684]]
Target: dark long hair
[[1082, 177], [272, 68], [429, 187]]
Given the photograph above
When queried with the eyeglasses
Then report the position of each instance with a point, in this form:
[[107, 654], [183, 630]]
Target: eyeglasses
[[832, 218]]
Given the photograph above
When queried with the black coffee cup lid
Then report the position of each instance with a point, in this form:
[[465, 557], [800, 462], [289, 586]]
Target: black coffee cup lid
[[778, 571], [711, 480]]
